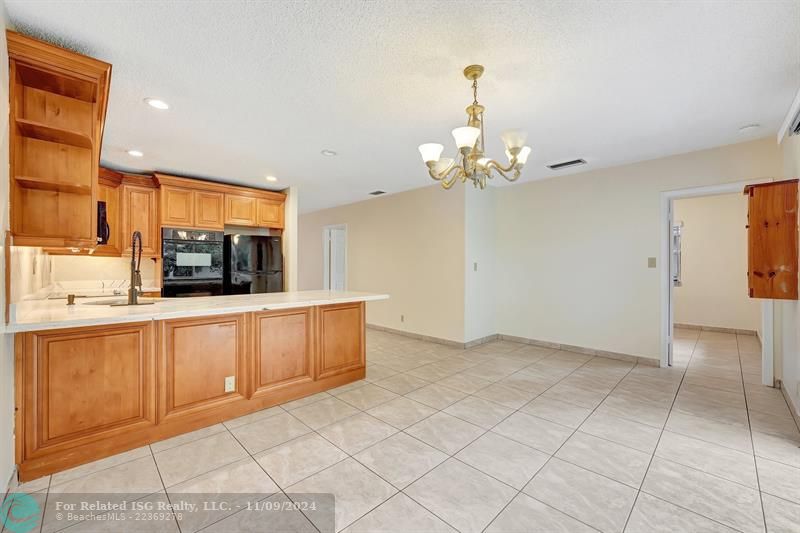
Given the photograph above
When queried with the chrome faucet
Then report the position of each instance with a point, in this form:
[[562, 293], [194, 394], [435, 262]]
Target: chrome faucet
[[136, 274]]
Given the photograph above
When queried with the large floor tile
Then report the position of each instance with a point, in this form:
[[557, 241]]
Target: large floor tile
[[436, 396], [139, 476], [541, 434], [478, 411], [591, 498], [253, 417], [504, 459], [324, 412], [287, 520], [575, 395], [184, 438], [642, 411], [299, 458], [237, 485], [401, 459], [601, 456], [402, 383], [356, 490], [526, 515], [730, 435], [622, 431], [264, 434], [444, 432], [402, 412], [653, 515], [777, 448], [730, 503], [307, 400], [120, 521], [506, 396], [400, 514], [563, 413], [779, 479], [460, 495], [198, 457], [782, 516], [711, 458], [465, 382], [89, 468], [357, 432], [367, 397]]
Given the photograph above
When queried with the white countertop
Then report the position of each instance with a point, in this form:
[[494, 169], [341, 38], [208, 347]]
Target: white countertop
[[34, 315]]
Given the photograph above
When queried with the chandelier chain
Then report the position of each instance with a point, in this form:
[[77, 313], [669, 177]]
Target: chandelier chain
[[475, 92]]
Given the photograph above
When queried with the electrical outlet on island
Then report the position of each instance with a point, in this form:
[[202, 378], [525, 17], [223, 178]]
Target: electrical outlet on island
[[230, 384]]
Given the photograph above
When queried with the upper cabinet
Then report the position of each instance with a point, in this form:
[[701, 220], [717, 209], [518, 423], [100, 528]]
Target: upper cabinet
[[270, 213], [240, 210], [208, 210], [177, 207], [772, 240], [140, 213], [191, 203], [57, 111]]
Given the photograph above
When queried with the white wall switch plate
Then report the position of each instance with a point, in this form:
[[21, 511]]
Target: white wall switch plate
[[230, 384]]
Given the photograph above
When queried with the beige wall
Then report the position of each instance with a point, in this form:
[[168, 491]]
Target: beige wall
[[480, 267], [573, 250], [409, 245], [714, 264]]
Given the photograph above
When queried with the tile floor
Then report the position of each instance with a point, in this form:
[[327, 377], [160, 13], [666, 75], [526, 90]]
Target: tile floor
[[504, 437]]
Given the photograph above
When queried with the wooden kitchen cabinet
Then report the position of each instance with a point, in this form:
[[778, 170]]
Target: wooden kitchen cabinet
[[270, 213], [86, 393], [140, 212], [109, 192], [195, 358], [177, 207], [772, 236], [283, 352], [240, 210], [77, 386], [208, 210], [339, 349], [58, 101]]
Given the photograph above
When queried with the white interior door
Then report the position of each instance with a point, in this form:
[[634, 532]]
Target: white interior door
[[335, 253]]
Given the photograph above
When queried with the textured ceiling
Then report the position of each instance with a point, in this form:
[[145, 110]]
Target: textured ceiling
[[259, 88]]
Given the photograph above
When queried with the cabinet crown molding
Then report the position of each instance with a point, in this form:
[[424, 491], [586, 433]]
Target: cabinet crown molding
[[214, 186]]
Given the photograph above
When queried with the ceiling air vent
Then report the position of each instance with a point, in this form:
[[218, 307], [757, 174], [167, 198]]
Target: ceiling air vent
[[377, 193], [566, 164]]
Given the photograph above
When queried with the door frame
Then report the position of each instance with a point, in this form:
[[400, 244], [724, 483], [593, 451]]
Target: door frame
[[326, 241], [665, 275]]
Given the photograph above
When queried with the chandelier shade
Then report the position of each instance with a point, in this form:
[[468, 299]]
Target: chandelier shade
[[471, 163], [431, 151]]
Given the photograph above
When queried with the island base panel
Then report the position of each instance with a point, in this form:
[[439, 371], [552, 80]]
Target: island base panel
[[136, 405]]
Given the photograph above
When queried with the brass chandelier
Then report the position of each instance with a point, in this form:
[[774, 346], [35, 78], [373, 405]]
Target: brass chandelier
[[471, 164]]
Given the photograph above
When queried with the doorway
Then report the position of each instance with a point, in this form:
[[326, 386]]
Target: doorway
[[670, 273], [334, 253]]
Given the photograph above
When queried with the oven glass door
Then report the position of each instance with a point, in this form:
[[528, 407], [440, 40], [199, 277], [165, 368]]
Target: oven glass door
[[192, 260]]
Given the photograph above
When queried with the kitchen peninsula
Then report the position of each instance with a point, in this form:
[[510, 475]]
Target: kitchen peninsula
[[93, 380]]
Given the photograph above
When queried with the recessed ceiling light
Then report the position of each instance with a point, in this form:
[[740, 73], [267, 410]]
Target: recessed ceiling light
[[158, 104], [135, 153], [749, 127], [328, 153], [272, 178]]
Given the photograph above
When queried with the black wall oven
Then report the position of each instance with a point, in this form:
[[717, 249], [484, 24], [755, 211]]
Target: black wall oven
[[193, 262]]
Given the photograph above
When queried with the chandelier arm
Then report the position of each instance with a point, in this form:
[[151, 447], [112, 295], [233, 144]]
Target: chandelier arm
[[448, 176], [493, 165]]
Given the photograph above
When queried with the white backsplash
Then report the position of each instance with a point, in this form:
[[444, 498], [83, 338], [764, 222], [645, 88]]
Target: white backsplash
[[31, 272]]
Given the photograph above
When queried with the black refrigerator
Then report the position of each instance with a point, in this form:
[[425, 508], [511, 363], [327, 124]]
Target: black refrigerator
[[253, 264]]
